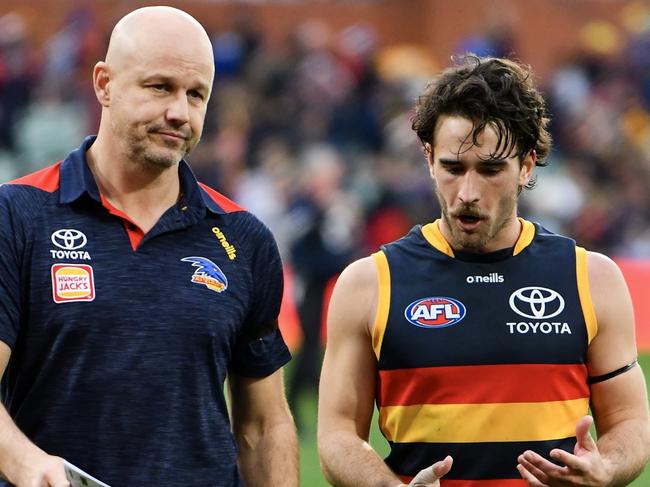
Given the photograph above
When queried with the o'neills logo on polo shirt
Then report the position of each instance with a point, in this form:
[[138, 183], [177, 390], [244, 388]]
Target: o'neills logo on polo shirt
[[72, 282], [230, 249]]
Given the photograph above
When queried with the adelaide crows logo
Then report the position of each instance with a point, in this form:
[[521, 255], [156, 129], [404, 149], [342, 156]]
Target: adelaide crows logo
[[208, 274]]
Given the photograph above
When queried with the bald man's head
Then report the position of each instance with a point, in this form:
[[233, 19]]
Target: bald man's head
[[150, 29], [154, 86]]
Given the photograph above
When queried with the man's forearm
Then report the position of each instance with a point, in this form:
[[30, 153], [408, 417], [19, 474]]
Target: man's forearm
[[16, 451], [348, 461], [625, 450], [270, 457]]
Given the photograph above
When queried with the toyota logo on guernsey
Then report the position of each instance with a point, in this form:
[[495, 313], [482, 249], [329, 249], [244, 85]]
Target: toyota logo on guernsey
[[536, 302], [539, 304], [435, 312], [69, 240]]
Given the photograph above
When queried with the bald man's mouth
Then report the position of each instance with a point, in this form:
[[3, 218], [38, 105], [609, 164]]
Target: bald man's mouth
[[171, 135]]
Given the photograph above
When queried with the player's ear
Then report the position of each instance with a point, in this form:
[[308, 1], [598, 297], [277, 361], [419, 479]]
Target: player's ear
[[527, 166], [428, 153]]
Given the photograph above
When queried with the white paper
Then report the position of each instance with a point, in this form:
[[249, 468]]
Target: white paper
[[79, 478]]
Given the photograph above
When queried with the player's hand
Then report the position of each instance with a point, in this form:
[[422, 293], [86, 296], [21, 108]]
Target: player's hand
[[585, 467], [430, 476], [42, 471]]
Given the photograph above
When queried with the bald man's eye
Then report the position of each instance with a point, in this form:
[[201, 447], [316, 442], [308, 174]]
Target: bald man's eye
[[159, 87], [197, 95]]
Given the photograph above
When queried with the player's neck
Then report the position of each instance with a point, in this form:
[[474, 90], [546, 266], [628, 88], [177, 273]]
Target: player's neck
[[506, 237]]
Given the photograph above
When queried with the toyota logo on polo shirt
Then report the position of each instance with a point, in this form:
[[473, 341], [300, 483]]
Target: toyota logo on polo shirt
[[536, 302], [69, 239]]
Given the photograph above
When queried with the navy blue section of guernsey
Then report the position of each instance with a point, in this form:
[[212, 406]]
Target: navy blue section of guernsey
[[484, 336], [129, 386]]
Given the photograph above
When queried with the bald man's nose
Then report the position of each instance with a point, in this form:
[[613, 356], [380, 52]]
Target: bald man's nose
[[178, 110]]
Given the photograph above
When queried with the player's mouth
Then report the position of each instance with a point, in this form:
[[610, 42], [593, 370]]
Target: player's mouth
[[468, 222]]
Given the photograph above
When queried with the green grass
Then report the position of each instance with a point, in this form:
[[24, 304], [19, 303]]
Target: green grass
[[310, 475]]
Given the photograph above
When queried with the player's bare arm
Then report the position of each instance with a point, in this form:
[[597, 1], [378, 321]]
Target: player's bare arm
[[618, 397], [22, 462], [347, 388], [264, 431]]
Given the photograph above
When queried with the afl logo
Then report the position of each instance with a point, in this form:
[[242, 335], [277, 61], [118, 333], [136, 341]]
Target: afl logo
[[69, 239], [435, 312], [536, 302]]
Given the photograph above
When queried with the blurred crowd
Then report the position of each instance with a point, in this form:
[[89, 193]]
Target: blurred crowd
[[314, 136]]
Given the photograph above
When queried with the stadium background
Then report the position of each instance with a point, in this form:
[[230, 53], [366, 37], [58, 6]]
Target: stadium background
[[308, 126]]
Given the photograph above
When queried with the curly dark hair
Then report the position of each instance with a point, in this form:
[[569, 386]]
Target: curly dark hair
[[488, 91]]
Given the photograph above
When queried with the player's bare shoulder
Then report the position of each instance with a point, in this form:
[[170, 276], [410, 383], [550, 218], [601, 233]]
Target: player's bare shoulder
[[609, 293], [601, 268], [355, 296], [605, 276]]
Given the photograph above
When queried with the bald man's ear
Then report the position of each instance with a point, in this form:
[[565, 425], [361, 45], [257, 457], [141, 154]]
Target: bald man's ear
[[101, 83]]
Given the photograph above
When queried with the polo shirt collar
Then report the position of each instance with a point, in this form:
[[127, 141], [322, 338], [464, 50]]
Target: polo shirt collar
[[77, 180]]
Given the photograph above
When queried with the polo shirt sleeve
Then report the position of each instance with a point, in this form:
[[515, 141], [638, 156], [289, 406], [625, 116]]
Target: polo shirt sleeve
[[260, 349], [10, 265]]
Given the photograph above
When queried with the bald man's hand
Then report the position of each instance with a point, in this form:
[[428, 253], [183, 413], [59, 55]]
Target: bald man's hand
[[42, 471]]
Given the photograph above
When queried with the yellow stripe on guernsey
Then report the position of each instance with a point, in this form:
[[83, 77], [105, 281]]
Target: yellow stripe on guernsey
[[383, 301], [432, 233], [467, 423], [585, 294], [525, 237]]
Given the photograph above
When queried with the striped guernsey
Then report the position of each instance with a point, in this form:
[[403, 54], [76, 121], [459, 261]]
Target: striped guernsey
[[481, 356]]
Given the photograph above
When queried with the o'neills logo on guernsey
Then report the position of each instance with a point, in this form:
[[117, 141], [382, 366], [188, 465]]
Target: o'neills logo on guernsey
[[490, 278], [230, 249], [72, 282]]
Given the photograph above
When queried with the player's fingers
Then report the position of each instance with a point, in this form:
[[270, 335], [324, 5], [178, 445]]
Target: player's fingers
[[528, 477], [443, 467], [424, 477], [430, 475], [573, 462], [543, 464], [533, 469], [583, 436]]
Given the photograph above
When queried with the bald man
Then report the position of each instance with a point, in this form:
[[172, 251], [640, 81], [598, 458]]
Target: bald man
[[129, 292]]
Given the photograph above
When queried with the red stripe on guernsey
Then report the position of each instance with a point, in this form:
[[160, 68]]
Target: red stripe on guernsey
[[46, 179], [134, 232], [226, 204], [475, 483], [496, 384]]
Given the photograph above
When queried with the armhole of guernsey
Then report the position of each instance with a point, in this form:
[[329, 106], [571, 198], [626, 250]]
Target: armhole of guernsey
[[383, 301], [586, 303]]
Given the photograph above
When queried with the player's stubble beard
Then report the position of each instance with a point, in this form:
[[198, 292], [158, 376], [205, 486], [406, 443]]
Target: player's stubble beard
[[490, 226]]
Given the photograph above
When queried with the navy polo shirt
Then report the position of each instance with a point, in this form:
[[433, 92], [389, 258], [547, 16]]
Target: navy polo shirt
[[121, 342]]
